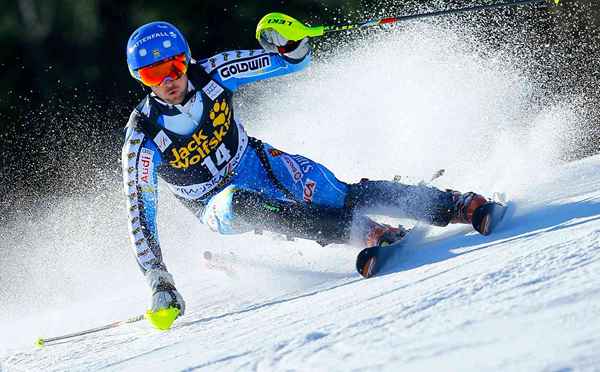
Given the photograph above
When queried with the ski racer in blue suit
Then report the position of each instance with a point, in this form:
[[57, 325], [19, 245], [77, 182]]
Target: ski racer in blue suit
[[185, 132]]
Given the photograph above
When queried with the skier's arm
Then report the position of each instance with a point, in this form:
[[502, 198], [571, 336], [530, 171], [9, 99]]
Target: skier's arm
[[140, 159], [235, 68]]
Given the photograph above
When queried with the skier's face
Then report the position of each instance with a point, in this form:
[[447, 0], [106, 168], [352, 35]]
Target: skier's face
[[172, 91]]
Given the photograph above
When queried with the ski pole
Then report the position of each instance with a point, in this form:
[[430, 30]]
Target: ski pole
[[440, 172], [40, 342], [293, 29]]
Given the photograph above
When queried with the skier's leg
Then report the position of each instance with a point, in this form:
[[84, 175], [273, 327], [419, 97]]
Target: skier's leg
[[235, 211], [319, 207], [303, 179], [313, 183], [319, 193], [301, 220], [311, 204], [422, 203]]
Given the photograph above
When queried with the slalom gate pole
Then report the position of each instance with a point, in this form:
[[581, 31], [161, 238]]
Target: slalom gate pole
[[40, 342], [293, 29]]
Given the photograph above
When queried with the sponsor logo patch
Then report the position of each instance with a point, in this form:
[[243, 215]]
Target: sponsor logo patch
[[150, 37], [305, 164], [280, 22], [244, 66], [275, 153], [143, 253], [147, 189], [203, 144], [292, 167], [309, 190], [196, 191], [212, 90], [162, 141], [145, 165]]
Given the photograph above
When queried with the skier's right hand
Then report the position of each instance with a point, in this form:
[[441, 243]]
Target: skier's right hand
[[164, 293], [272, 41]]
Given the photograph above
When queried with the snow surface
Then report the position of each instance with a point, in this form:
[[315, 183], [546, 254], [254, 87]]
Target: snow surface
[[526, 298]]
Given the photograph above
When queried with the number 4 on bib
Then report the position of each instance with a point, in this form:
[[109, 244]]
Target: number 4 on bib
[[222, 156]]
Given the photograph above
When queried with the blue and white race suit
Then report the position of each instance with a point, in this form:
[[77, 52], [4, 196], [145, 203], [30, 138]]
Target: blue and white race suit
[[203, 153], [205, 157]]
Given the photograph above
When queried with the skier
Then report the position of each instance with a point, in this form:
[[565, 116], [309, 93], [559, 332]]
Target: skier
[[185, 132]]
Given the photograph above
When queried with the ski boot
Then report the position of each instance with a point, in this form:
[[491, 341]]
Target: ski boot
[[381, 234], [372, 258], [476, 210]]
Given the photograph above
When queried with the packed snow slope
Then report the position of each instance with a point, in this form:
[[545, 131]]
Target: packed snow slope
[[407, 103], [526, 298]]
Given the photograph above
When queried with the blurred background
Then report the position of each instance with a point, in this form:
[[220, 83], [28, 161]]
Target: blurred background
[[65, 88]]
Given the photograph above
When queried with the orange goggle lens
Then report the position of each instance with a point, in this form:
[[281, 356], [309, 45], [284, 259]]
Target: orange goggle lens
[[172, 68]]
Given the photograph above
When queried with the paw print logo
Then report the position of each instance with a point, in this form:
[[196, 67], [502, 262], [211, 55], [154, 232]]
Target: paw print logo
[[220, 114]]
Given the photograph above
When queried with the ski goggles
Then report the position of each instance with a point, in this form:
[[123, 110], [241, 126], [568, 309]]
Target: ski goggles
[[172, 68]]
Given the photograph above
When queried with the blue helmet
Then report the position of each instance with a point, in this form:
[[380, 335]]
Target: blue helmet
[[154, 42]]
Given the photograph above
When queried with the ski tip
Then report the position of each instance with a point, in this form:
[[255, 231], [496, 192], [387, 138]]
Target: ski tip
[[40, 342], [366, 262], [367, 269], [487, 217]]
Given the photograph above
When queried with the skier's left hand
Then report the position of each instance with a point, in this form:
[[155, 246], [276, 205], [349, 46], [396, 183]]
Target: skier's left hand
[[272, 41], [164, 293]]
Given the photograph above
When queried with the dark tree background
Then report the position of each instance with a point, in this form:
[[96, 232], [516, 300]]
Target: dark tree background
[[64, 76]]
